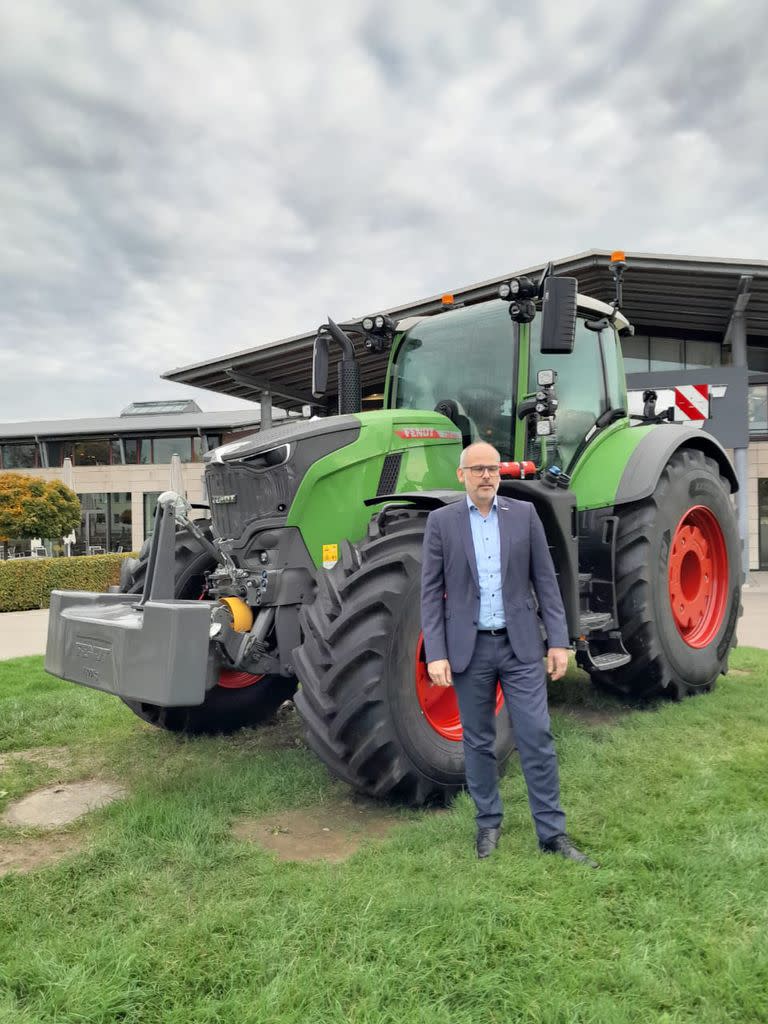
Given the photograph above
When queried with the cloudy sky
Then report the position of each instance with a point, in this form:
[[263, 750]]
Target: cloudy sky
[[180, 179]]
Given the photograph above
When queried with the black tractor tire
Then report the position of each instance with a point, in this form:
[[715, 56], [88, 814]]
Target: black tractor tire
[[356, 666], [650, 565], [225, 709]]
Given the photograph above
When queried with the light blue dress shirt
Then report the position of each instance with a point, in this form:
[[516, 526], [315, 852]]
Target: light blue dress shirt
[[487, 544]]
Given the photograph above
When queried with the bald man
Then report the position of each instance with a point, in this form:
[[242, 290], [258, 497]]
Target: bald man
[[481, 556]]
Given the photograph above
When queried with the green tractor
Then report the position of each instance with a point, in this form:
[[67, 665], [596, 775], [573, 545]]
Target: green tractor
[[304, 582]]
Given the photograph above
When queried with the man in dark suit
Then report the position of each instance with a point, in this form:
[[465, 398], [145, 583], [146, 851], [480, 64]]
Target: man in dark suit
[[480, 625]]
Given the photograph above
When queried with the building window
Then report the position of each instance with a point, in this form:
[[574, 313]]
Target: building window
[[700, 355], [164, 447], [92, 452], [20, 456], [666, 354], [147, 451], [643, 354], [757, 409], [143, 451], [60, 450], [105, 524], [635, 354], [762, 519], [150, 504], [757, 359]]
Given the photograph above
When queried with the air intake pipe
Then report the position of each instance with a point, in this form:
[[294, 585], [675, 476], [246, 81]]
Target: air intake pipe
[[350, 389]]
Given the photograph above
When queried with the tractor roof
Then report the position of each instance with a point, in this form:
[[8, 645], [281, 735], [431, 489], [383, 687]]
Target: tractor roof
[[663, 295]]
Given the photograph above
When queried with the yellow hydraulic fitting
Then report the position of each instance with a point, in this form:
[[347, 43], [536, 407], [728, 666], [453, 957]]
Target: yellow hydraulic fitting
[[242, 615]]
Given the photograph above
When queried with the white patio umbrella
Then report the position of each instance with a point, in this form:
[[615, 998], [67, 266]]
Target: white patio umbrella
[[176, 490], [176, 482], [68, 479]]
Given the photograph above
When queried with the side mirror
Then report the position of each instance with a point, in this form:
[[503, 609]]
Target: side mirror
[[320, 365], [558, 316]]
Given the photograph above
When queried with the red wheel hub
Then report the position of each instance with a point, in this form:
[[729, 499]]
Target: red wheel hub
[[230, 679], [439, 704], [698, 576]]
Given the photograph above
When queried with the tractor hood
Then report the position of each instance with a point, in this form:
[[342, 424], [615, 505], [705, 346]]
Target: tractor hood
[[276, 437]]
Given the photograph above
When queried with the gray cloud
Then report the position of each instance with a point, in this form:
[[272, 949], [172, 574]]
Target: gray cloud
[[183, 179]]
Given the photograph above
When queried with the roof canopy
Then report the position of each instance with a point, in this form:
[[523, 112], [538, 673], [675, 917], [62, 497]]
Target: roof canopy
[[115, 426], [667, 295]]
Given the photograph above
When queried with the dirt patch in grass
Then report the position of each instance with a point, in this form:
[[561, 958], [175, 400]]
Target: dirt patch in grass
[[330, 832], [284, 732], [32, 854], [54, 757], [738, 672], [593, 716], [61, 804]]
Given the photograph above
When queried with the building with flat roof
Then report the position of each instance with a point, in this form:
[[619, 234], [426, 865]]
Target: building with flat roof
[[120, 464]]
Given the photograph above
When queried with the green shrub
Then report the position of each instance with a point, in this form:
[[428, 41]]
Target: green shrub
[[28, 582]]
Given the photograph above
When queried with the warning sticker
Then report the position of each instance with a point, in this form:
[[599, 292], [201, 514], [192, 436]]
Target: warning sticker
[[330, 555]]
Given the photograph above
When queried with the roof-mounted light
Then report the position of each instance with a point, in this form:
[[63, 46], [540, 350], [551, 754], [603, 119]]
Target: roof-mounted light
[[522, 288], [617, 264], [518, 289], [378, 332]]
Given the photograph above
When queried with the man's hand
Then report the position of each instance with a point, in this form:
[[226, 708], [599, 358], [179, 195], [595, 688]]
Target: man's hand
[[440, 673], [557, 661]]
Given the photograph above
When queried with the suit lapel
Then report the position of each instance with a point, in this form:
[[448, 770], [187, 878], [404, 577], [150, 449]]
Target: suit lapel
[[505, 540], [466, 537]]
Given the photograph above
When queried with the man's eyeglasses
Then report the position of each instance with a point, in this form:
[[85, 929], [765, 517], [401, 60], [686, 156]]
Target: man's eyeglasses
[[479, 470]]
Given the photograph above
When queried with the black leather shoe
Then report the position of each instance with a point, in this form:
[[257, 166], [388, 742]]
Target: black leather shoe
[[563, 845], [487, 841]]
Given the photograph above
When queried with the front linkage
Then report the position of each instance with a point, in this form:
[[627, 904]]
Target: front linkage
[[170, 651]]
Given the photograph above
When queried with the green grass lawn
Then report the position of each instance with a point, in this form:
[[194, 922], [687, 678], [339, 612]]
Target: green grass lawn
[[164, 917]]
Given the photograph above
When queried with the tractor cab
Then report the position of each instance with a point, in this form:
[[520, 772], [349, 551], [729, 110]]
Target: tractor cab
[[497, 381]]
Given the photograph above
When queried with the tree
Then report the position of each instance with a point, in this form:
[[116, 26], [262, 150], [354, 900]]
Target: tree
[[33, 507]]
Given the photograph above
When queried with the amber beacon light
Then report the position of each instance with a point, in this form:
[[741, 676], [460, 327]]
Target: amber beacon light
[[618, 265]]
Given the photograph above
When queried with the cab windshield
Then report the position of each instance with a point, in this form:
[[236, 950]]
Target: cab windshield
[[467, 357]]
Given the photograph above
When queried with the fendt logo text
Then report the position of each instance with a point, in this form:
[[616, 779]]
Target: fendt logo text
[[89, 651]]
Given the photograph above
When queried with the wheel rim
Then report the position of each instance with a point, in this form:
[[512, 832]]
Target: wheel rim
[[698, 577], [231, 679], [438, 703]]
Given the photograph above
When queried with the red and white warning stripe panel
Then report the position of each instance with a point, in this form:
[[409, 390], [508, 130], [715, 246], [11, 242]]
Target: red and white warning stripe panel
[[691, 403]]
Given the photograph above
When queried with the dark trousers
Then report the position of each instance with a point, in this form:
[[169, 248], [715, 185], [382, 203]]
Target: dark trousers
[[525, 697]]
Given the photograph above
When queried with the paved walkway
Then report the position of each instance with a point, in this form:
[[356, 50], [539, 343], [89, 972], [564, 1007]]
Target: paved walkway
[[23, 633]]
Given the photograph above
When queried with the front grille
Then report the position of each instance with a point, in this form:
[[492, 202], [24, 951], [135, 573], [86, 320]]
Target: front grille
[[257, 495]]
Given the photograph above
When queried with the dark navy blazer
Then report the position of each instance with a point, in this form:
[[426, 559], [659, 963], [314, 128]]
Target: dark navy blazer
[[450, 588]]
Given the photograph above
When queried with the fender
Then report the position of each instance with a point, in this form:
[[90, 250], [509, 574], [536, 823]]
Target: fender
[[644, 466]]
